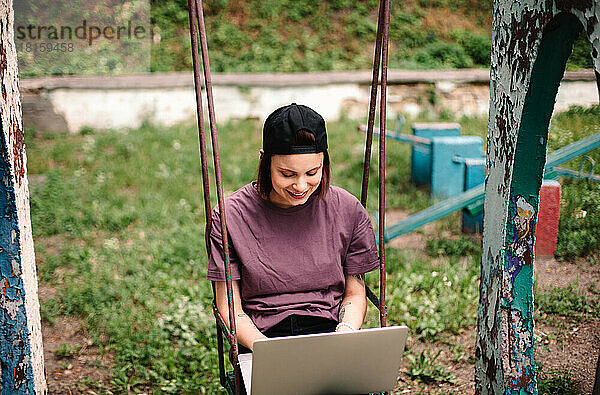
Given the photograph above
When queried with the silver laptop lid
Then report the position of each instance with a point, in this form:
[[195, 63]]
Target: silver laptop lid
[[331, 363]]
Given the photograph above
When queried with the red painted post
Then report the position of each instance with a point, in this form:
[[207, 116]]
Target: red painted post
[[548, 216]]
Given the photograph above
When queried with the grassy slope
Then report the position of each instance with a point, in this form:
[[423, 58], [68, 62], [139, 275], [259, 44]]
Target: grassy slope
[[127, 252], [304, 35]]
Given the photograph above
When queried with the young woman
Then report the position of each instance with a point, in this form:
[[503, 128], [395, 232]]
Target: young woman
[[299, 247]]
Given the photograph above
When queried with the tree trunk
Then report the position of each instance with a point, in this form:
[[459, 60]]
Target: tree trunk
[[531, 42], [21, 353]]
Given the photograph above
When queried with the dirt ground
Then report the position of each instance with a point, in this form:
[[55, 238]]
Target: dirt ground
[[74, 364]]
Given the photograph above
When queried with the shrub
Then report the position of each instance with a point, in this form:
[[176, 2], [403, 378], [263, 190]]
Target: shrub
[[477, 46], [443, 55], [360, 26], [581, 56], [406, 31]]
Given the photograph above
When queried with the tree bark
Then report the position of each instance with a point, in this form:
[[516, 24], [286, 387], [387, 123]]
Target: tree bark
[[21, 354]]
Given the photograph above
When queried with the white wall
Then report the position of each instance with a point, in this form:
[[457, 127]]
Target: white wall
[[103, 102]]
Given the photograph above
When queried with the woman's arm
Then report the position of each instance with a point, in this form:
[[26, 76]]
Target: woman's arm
[[247, 333], [354, 303]]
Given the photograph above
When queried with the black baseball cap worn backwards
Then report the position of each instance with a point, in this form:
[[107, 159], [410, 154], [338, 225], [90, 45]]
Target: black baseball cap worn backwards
[[284, 123]]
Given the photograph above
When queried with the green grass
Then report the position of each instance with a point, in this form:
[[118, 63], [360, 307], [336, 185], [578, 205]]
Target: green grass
[[432, 296], [118, 221], [566, 302], [461, 246]]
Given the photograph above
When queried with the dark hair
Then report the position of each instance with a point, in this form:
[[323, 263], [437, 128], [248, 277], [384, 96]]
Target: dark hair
[[263, 179]]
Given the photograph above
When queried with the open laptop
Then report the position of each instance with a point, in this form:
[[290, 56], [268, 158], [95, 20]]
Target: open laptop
[[330, 363]]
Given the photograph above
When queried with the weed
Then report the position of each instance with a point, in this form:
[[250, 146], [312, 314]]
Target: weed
[[50, 310], [66, 351], [581, 56], [579, 225], [91, 383], [86, 130], [558, 382], [425, 368], [430, 301], [460, 353]]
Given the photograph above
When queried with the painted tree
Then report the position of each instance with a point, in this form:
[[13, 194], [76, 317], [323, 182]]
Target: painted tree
[[531, 42], [21, 356]]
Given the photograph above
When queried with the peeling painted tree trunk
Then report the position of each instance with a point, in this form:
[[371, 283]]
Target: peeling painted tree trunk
[[21, 356], [531, 42]]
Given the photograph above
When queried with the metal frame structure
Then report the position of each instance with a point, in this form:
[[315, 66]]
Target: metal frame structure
[[233, 383]]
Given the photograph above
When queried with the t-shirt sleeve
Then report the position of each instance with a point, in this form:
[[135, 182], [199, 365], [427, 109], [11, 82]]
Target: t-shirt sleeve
[[216, 257], [362, 255]]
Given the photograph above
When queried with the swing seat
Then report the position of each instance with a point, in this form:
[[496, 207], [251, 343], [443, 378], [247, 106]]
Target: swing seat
[[229, 382]]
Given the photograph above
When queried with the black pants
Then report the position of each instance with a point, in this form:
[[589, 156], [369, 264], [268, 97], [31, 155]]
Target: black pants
[[297, 325]]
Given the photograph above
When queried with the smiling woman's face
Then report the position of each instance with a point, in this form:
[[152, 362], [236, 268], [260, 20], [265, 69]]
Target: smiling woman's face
[[295, 178]]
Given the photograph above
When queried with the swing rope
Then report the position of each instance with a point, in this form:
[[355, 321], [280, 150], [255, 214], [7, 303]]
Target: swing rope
[[198, 28], [196, 16], [381, 57]]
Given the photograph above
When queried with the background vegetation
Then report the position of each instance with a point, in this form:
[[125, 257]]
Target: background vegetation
[[305, 35], [579, 227], [278, 36], [127, 256]]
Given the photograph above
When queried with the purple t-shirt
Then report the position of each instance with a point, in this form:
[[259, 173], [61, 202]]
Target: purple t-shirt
[[292, 260]]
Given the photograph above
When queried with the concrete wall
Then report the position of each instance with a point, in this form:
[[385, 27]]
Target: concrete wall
[[69, 103]]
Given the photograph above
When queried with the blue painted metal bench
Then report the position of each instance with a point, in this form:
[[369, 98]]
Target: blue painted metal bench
[[473, 198], [439, 155]]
